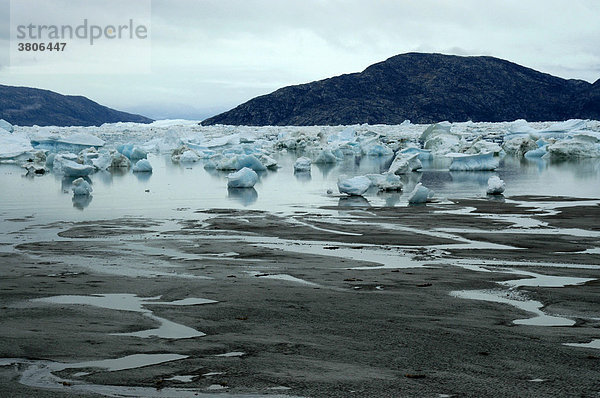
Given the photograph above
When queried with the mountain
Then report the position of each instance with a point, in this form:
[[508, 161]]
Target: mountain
[[26, 106], [424, 88]]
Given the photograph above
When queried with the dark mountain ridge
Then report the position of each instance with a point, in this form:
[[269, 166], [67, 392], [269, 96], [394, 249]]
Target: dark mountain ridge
[[424, 88], [25, 106]]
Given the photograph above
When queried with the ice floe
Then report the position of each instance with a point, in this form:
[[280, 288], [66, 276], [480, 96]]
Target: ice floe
[[303, 164], [353, 186], [244, 178], [6, 126], [142, 166], [466, 162], [81, 187], [420, 194], [495, 186]]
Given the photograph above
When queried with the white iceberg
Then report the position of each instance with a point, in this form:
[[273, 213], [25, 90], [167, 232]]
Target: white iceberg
[[386, 181], [189, 156], [81, 187], [423, 154], [579, 146], [518, 146], [302, 164], [132, 151], [4, 125], [268, 161], [74, 143], [119, 161], [353, 186], [142, 166], [251, 162], [346, 135], [326, 157], [13, 146], [66, 164], [495, 186], [375, 148], [420, 194], [405, 163], [435, 129], [477, 162], [244, 178]]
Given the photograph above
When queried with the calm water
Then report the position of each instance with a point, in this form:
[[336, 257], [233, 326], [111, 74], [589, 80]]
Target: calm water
[[173, 187]]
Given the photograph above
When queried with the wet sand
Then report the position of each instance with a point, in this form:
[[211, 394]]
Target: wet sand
[[336, 302]]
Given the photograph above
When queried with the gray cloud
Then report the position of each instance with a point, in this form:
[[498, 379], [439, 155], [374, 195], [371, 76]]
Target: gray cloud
[[213, 54]]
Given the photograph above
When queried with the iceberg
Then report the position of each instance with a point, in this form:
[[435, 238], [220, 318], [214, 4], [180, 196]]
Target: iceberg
[[81, 187], [579, 146], [132, 152], [142, 166], [386, 181], [244, 178], [346, 135], [420, 194], [495, 186], [119, 161], [353, 186], [4, 125], [74, 143], [424, 154], [189, 156], [435, 129], [481, 161], [268, 161], [250, 162], [302, 164], [405, 163], [13, 146], [326, 157], [518, 146], [66, 164]]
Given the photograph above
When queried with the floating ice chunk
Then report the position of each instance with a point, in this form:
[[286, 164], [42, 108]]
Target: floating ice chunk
[[481, 146], [103, 161], [73, 143], [245, 178], [229, 139], [228, 163], [424, 154], [566, 126], [13, 145], [442, 143], [326, 157], [81, 187], [353, 186], [519, 145], [302, 164], [435, 129], [6, 126], [405, 163], [66, 164], [189, 156], [495, 186], [477, 162], [251, 162], [580, 146], [142, 166], [519, 129], [119, 161], [268, 161], [346, 135], [374, 148], [537, 153], [132, 151], [386, 181], [420, 194]]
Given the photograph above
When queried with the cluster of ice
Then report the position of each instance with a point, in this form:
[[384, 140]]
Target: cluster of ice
[[495, 186], [420, 194], [571, 139], [246, 150], [244, 178], [478, 162]]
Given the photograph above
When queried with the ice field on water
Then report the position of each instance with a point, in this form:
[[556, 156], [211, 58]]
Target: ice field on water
[[152, 170]]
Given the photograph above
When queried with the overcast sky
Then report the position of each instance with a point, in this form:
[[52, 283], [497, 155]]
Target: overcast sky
[[210, 55]]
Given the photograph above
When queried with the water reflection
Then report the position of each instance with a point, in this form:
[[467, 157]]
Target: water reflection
[[143, 177], [303, 176], [245, 196], [353, 201], [81, 201]]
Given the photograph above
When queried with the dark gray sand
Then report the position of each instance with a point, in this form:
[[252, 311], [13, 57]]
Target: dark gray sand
[[333, 331]]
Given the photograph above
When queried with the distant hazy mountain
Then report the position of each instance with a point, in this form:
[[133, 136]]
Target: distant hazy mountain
[[424, 88], [26, 106]]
